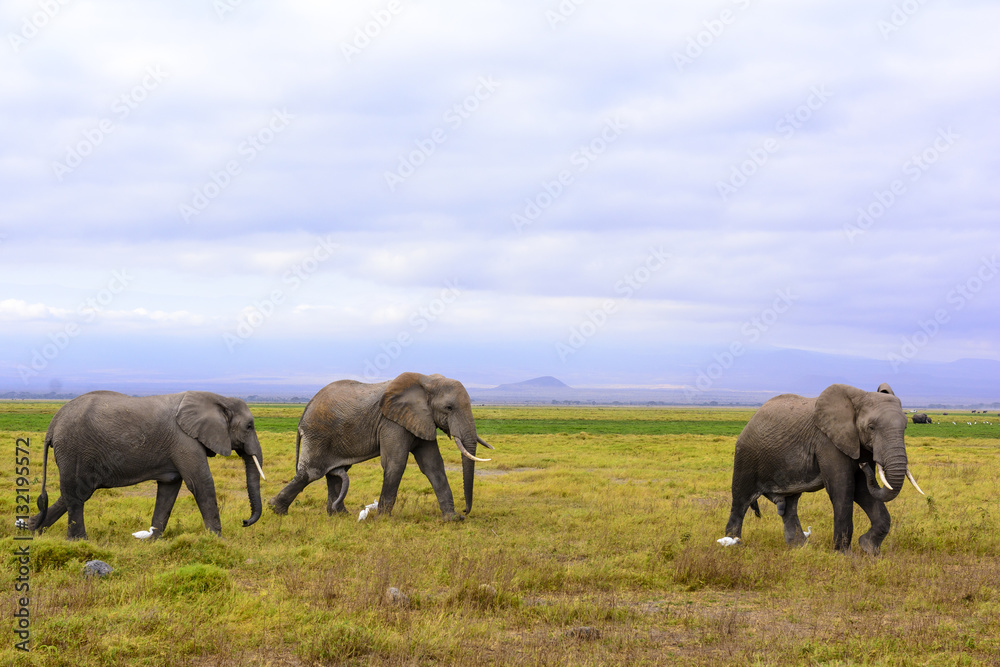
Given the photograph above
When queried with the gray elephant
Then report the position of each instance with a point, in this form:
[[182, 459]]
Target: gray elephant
[[105, 439], [347, 422], [794, 444], [921, 418]]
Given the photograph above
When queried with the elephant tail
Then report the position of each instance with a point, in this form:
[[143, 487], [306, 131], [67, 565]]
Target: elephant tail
[[43, 496], [298, 443], [755, 507]]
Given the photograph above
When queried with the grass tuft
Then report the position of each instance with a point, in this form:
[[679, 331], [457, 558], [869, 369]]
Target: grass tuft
[[193, 580]]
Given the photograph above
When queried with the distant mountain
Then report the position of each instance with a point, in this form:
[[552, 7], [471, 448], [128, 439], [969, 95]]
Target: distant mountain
[[693, 376], [756, 375], [544, 382]]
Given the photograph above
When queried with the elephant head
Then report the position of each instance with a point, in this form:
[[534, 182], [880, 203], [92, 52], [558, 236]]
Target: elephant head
[[222, 425], [424, 403], [854, 419]]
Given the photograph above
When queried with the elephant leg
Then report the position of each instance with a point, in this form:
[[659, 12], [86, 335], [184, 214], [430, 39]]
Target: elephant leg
[[843, 515], [74, 495], [428, 458], [202, 487], [790, 515], [287, 495], [878, 514], [393, 465], [745, 495], [55, 512], [734, 528], [166, 494], [337, 484], [77, 529]]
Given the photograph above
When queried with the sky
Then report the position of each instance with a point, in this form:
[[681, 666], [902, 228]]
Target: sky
[[227, 191]]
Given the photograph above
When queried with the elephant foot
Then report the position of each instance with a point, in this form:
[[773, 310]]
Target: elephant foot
[[453, 517], [277, 508], [799, 540], [330, 511], [869, 546]]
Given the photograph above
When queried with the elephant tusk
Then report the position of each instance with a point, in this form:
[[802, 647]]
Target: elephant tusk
[[466, 453], [881, 476], [909, 476], [483, 443], [259, 469]]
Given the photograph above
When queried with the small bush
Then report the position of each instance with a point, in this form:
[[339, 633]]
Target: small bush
[[200, 548], [57, 555], [697, 567], [191, 580], [338, 642]]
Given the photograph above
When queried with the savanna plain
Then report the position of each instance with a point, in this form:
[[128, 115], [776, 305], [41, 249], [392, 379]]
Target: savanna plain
[[592, 541]]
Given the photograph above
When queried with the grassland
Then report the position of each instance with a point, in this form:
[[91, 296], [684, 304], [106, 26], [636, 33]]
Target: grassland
[[592, 542]]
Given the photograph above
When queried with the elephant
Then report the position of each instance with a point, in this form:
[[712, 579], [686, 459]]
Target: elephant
[[347, 422], [104, 439], [794, 444], [921, 418]]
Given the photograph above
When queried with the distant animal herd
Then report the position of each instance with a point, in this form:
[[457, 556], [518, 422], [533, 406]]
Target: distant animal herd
[[846, 440]]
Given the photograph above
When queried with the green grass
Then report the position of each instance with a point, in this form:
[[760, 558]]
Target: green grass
[[592, 542]]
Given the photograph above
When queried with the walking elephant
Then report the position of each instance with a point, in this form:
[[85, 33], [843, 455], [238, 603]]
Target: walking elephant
[[347, 422], [105, 439], [794, 444], [921, 418]]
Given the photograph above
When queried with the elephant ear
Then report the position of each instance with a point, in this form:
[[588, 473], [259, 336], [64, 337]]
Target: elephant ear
[[203, 418], [835, 415], [406, 402], [884, 388]]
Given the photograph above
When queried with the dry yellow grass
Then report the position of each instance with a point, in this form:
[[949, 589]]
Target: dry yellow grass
[[582, 548]]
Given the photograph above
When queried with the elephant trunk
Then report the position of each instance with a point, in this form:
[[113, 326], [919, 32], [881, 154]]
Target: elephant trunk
[[893, 478], [469, 473], [252, 465]]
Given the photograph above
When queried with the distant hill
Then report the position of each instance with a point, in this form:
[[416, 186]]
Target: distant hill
[[544, 382]]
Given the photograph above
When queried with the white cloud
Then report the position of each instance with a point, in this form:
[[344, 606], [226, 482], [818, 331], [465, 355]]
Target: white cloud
[[16, 310], [656, 185]]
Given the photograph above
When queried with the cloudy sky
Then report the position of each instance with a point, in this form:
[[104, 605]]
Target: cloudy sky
[[296, 192]]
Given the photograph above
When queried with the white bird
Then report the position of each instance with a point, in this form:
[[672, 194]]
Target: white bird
[[728, 541], [143, 534], [364, 513], [808, 532]]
